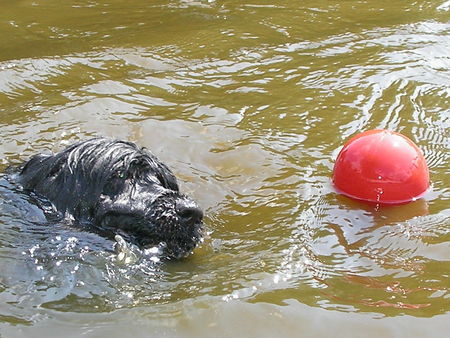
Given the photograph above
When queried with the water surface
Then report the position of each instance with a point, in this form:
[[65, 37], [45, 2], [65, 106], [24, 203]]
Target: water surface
[[248, 103]]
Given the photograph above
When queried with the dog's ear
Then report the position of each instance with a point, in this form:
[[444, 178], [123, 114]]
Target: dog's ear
[[32, 171], [33, 161], [41, 167]]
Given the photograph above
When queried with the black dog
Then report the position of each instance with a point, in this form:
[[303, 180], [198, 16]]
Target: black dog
[[119, 188]]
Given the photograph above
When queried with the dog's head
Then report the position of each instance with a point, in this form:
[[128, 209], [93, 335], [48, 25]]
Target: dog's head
[[122, 189]]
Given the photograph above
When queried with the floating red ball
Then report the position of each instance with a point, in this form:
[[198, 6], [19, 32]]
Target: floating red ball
[[381, 166]]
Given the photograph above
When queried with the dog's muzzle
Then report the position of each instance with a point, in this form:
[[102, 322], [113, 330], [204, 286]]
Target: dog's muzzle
[[189, 214]]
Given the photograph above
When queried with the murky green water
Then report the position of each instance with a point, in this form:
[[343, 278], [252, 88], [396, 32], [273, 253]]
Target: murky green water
[[248, 103]]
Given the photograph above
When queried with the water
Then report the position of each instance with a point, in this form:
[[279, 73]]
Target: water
[[249, 104]]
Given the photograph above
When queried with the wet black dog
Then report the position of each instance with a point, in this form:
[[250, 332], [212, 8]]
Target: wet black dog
[[120, 189]]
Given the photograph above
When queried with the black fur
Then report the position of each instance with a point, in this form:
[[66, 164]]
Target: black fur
[[120, 189]]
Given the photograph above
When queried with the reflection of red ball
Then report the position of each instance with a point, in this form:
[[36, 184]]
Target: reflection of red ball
[[381, 166]]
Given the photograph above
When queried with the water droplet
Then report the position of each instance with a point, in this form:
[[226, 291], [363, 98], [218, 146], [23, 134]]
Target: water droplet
[[152, 250], [154, 259]]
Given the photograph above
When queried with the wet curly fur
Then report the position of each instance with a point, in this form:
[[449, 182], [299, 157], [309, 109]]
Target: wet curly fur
[[119, 188]]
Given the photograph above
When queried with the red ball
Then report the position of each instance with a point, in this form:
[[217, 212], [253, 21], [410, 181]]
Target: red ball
[[381, 166]]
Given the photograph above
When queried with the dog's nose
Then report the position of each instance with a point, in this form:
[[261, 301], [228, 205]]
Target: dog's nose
[[189, 213]]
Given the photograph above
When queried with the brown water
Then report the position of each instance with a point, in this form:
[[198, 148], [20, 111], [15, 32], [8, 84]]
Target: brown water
[[248, 103]]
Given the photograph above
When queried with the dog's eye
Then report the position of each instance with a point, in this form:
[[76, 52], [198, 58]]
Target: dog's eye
[[115, 183], [121, 174]]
